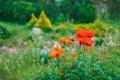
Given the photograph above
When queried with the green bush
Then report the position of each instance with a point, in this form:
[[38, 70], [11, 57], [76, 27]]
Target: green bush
[[4, 33], [19, 11], [80, 11]]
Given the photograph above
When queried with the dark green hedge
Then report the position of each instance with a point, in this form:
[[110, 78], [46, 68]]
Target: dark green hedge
[[80, 11], [19, 11]]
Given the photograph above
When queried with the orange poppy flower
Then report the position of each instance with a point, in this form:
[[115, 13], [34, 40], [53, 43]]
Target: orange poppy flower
[[87, 48], [69, 41], [73, 54], [60, 51], [56, 48], [62, 39], [51, 54]]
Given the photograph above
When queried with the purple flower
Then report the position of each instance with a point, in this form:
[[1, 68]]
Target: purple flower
[[106, 39], [12, 50], [19, 42]]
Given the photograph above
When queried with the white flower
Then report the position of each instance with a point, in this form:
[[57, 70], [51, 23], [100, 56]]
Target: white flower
[[4, 48], [37, 31], [111, 43]]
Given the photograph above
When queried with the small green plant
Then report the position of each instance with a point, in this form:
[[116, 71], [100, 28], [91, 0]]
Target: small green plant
[[4, 33]]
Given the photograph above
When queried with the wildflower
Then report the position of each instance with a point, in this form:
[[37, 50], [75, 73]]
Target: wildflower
[[87, 41], [19, 42], [106, 39], [57, 44], [82, 41], [58, 55], [56, 48], [84, 36], [51, 54], [69, 41], [60, 51], [67, 59], [85, 33], [62, 39], [4, 48], [71, 38], [62, 26], [103, 49], [12, 50], [87, 48], [110, 43], [73, 54], [90, 33], [81, 33]]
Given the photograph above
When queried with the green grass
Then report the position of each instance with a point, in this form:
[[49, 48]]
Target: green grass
[[26, 64]]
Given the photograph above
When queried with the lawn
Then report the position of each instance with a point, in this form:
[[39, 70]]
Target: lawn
[[25, 55]]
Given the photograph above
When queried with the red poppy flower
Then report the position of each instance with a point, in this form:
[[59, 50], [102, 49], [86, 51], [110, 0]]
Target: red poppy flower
[[81, 33], [82, 41], [58, 55], [89, 41], [90, 33]]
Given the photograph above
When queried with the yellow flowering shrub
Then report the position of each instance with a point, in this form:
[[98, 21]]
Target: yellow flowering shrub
[[32, 21], [43, 22], [98, 26]]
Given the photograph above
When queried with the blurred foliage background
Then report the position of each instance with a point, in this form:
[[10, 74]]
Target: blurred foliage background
[[76, 11]]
